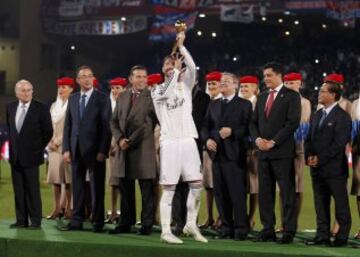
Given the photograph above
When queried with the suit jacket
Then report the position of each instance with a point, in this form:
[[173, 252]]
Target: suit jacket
[[328, 142], [27, 147], [137, 124], [237, 116], [281, 124], [91, 133], [200, 102]]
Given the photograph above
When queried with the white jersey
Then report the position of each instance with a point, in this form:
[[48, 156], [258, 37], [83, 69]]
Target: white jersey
[[173, 102]]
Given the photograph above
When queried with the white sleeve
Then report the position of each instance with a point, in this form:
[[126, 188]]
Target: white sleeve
[[163, 91], [190, 72]]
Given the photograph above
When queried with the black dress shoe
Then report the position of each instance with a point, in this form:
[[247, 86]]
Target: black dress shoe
[[286, 239], [121, 229], [35, 226], [339, 243], [98, 229], [318, 241], [240, 237], [70, 227], [18, 225], [266, 237], [144, 231]]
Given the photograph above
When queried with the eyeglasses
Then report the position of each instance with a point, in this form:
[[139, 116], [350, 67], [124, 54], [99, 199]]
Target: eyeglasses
[[86, 76]]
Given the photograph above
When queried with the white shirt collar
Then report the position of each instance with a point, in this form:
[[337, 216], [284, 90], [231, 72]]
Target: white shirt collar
[[26, 105], [87, 93], [229, 98], [329, 109], [278, 88]]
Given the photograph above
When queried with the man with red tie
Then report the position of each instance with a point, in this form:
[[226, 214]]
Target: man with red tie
[[275, 119]]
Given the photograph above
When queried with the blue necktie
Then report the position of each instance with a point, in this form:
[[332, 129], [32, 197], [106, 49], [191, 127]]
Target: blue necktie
[[323, 117], [82, 105]]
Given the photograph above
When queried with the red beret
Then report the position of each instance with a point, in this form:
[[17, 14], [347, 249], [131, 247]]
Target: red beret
[[154, 79], [213, 76], [96, 83], [119, 82], [66, 81], [292, 76], [335, 78], [249, 79]]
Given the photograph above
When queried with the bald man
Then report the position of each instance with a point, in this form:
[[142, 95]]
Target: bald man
[[30, 130]]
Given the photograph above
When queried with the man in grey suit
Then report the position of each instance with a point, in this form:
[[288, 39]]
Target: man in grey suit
[[86, 143], [132, 125]]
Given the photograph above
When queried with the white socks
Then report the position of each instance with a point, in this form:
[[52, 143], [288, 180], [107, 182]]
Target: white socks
[[165, 210], [193, 206]]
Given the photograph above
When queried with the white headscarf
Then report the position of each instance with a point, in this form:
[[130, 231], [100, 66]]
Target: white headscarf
[[113, 102], [58, 110]]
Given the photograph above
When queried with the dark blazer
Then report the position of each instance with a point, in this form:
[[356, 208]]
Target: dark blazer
[[136, 123], [92, 132], [281, 124], [329, 142], [200, 102], [237, 116], [27, 147]]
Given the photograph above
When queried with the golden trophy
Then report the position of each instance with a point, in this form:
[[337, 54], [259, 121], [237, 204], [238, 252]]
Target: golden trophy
[[180, 26]]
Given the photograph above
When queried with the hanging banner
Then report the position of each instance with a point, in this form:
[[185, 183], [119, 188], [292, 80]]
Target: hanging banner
[[237, 13], [163, 28], [96, 27]]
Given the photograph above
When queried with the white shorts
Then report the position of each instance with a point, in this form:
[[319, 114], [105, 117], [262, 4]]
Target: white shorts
[[179, 158]]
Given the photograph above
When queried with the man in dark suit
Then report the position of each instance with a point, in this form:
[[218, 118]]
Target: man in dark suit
[[86, 143], [133, 125], [30, 130], [200, 102], [330, 131], [275, 119], [225, 133]]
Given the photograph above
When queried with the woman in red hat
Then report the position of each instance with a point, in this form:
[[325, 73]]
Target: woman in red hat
[[249, 90], [118, 86], [59, 172]]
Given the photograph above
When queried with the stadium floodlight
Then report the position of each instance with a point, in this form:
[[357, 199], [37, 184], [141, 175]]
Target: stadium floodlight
[[324, 26], [72, 47], [235, 59], [287, 13], [287, 33], [316, 88], [199, 33], [213, 34], [202, 15], [280, 20], [324, 74], [197, 68], [296, 22], [263, 18], [123, 18], [317, 61]]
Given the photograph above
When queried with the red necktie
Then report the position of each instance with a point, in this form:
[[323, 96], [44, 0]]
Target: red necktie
[[270, 102], [134, 98]]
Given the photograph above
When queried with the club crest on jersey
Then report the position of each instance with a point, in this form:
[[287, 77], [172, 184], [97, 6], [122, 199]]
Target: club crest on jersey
[[175, 103]]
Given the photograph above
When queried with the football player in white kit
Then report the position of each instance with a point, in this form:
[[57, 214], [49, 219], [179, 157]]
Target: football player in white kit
[[179, 156]]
